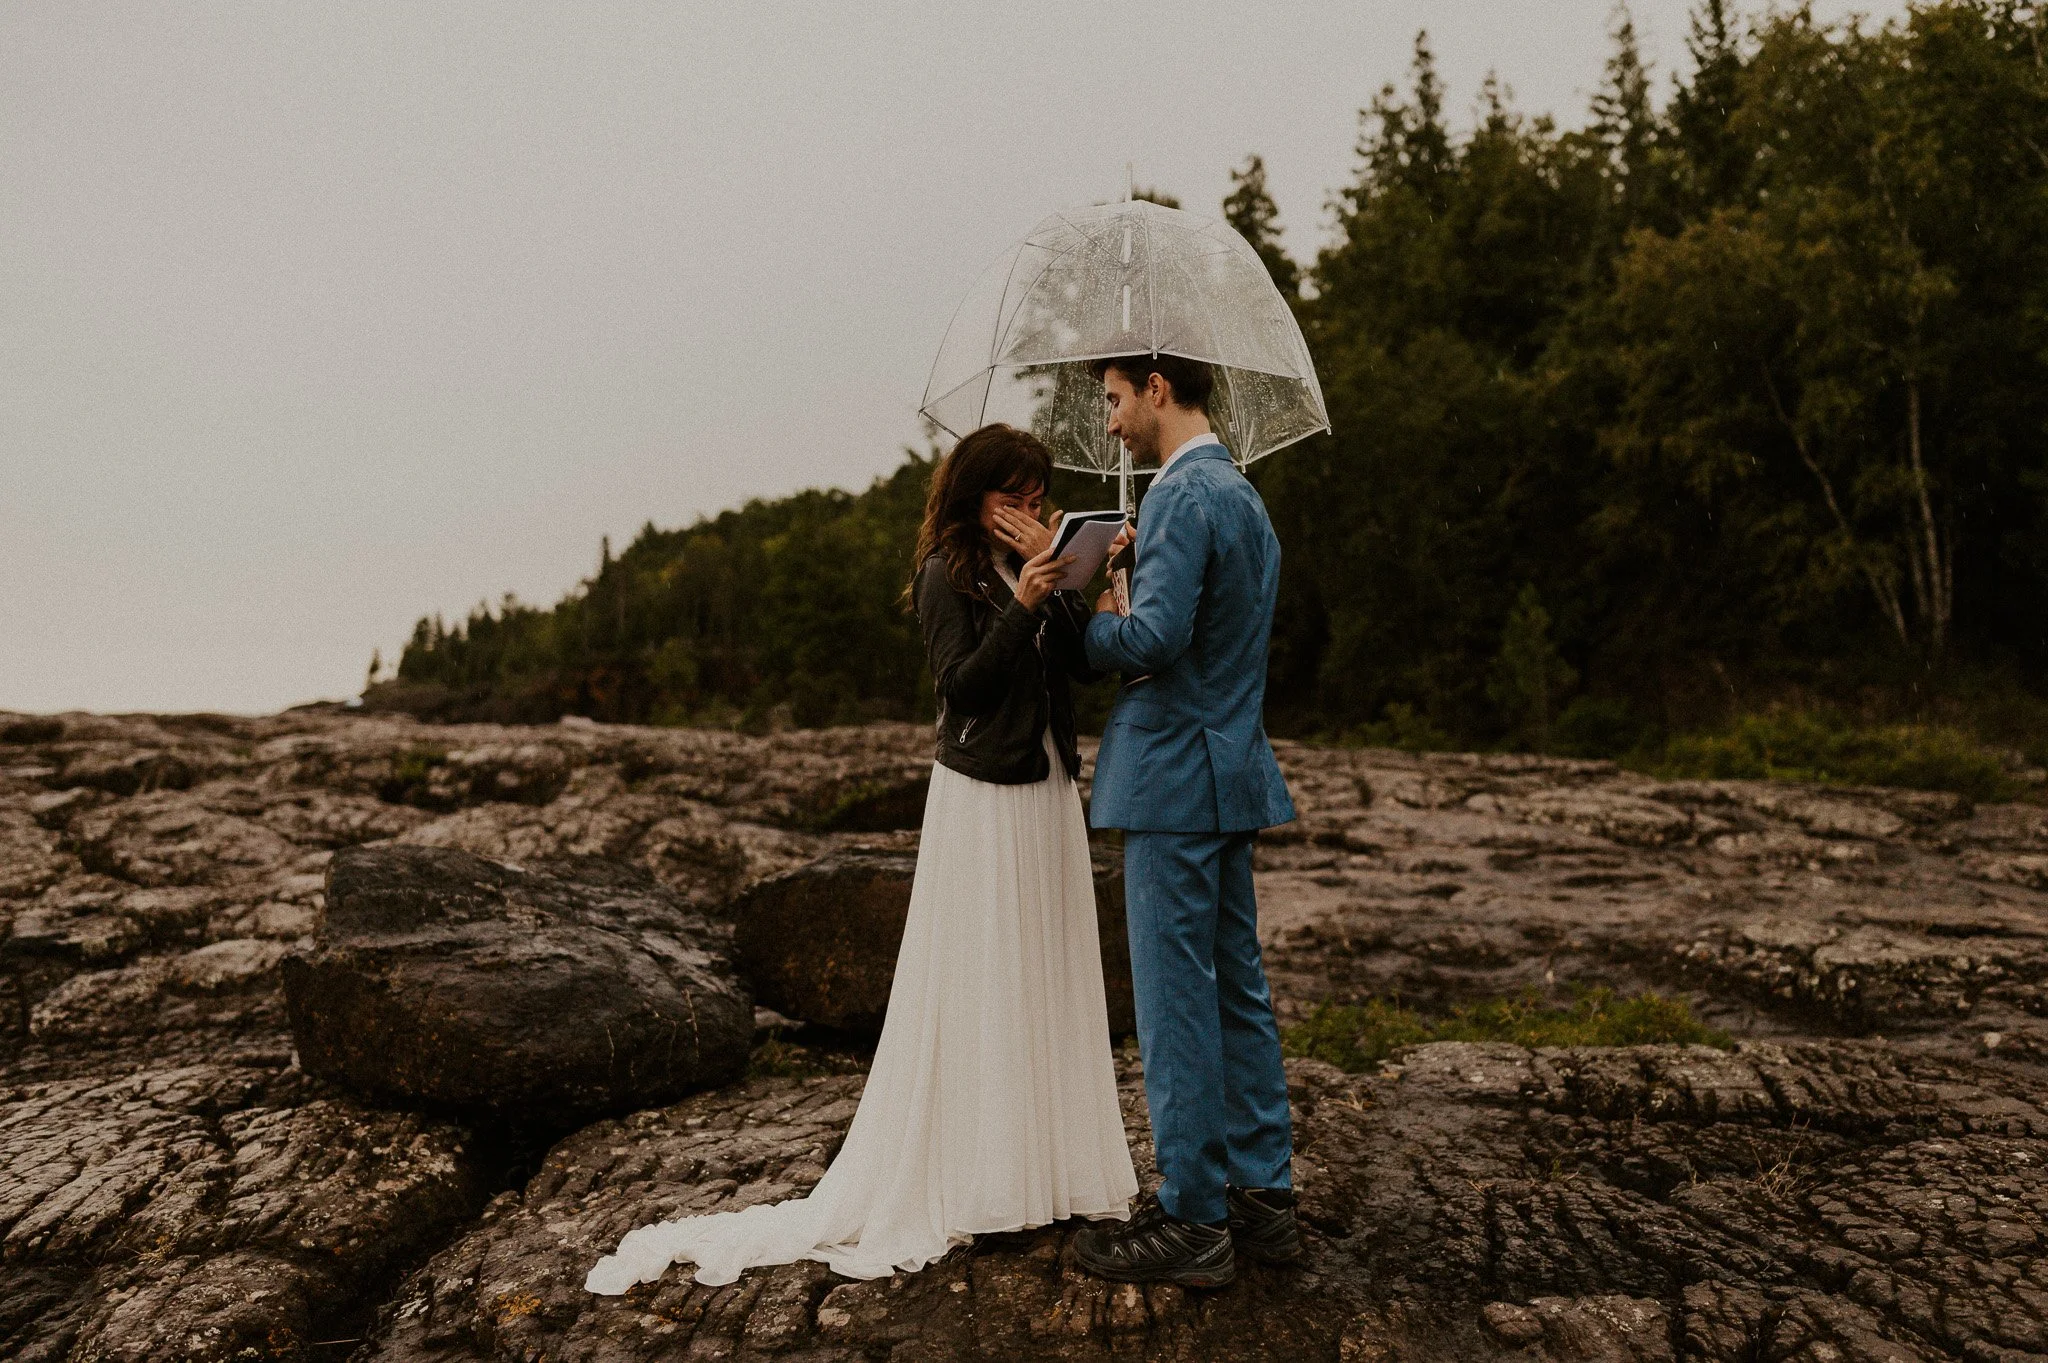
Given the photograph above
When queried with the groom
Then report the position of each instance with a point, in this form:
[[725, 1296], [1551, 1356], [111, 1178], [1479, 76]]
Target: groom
[[1186, 772]]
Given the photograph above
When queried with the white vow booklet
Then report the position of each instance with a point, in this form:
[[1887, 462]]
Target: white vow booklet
[[1085, 535]]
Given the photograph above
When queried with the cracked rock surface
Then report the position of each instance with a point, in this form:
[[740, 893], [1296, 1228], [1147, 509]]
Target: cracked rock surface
[[203, 1212], [1779, 910], [1828, 1201], [1860, 1180], [173, 1186]]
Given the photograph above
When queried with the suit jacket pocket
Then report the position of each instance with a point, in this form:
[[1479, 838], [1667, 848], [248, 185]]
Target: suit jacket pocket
[[1139, 714]]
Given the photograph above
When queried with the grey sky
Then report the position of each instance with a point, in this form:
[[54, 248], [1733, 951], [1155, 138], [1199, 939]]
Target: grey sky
[[316, 318]]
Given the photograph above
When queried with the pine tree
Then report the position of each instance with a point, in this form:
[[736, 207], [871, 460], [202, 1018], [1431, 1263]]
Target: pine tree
[[1529, 678], [1712, 162], [1250, 209], [1626, 125], [1408, 144]]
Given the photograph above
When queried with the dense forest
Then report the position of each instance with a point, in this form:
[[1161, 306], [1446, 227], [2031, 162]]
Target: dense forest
[[1733, 399]]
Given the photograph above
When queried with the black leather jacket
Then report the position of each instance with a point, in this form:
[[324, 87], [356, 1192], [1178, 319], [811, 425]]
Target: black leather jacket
[[1002, 674]]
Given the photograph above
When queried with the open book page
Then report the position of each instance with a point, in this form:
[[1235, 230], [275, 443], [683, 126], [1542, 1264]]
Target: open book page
[[1086, 535]]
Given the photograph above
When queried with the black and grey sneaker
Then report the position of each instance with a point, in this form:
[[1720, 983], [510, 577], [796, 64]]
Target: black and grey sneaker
[[1262, 1223], [1153, 1247]]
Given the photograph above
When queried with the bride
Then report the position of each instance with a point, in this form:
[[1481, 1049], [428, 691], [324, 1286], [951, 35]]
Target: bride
[[991, 1105]]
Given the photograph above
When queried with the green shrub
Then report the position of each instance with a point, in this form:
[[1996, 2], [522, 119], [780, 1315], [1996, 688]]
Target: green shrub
[[410, 782], [1355, 1037], [1358, 1036], [1808, 746], [1528, 674], [1595, 1018], [1403, 727], [1600, 726]]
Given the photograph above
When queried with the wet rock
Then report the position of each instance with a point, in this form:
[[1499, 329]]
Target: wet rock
[[165, 1215], [55, 810], [1626, 819], [431, 776], [1767, 1202], [513, 1286], [1489, 1202], [31, 730], [229, 985], [690, 846], [92, 881], [2029, 871], [93, 920], [121, 773], [29, 859], [328, 819], [1863, 975], [819, 943], [1621, 1329], [1827, 817], [1913, 913], [547, 996], [168, 838], [865, 805]]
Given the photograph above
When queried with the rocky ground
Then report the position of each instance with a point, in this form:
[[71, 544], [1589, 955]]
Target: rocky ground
[[1861, 1179]]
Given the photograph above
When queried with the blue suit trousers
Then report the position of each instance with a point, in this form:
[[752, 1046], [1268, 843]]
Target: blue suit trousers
[[1213, 1077]]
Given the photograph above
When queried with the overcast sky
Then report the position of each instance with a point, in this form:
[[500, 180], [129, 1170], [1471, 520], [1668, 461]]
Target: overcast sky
[[316, 318]]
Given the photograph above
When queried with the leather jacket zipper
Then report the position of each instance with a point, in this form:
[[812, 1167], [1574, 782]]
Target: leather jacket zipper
[[967, 729]]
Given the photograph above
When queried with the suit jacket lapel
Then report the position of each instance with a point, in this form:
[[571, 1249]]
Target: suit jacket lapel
[[1213, 450]]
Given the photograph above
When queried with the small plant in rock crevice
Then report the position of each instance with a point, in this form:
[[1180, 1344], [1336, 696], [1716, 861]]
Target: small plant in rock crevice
[[1356, 1037]]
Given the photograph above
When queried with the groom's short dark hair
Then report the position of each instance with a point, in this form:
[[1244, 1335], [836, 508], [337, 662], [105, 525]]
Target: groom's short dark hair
[[1190, 380]]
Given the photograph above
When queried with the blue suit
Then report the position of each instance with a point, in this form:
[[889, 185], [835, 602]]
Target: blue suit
[[1186, 771]]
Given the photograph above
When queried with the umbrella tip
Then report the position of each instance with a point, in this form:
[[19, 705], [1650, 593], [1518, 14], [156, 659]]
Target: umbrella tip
[[1130, 180]]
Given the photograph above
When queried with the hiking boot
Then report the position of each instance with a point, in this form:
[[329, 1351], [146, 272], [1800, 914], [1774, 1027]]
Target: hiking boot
[[1262, 1223], [1154, 1247]]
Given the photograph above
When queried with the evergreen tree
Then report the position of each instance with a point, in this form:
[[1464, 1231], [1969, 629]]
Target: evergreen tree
[[1528, 678], [1625, 126], [1250, 209], [1711, 161]]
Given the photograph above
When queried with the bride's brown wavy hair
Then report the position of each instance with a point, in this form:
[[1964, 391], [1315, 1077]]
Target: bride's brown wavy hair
[[996, 458]]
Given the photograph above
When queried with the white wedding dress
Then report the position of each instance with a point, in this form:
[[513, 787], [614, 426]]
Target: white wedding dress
[[992, 1102]]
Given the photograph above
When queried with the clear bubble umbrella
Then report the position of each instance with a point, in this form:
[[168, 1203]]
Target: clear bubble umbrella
[[1124, 279]]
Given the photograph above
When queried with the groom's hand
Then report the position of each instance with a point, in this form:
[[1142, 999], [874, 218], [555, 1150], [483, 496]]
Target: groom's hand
[[1106, 603]]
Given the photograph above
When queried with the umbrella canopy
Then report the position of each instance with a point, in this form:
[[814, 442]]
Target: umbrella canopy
[[1124, 279]]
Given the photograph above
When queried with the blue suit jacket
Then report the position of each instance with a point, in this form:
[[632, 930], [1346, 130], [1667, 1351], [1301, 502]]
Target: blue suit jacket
[[1185, 750]]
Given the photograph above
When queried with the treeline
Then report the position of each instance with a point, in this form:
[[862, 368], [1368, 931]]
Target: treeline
[[1638, 426], [794, 602]]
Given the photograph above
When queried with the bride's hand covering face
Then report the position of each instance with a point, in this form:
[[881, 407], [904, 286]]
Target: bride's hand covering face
[[1012, 521]]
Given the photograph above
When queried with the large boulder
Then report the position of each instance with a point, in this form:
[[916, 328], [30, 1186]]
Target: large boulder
[[819, 943], [545, 996]]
